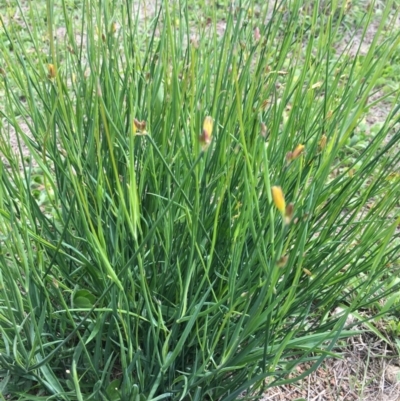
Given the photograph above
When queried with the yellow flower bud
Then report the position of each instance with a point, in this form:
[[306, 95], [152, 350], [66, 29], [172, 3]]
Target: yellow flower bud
[[278, 198], [322, 142], [295, 154], [139, 127], [52, 71], [298, 151], [206, 135], [282, 261], [289, 213], [289, 156]]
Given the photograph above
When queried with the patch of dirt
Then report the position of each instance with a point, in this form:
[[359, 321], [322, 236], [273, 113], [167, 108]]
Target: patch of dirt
[[359, 42], [368, 371], [17, 147]]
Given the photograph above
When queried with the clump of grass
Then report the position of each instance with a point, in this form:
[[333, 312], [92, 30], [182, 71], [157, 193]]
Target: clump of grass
[[200, 226]]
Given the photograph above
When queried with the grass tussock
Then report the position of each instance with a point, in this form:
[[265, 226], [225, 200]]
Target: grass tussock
[[193, 207]]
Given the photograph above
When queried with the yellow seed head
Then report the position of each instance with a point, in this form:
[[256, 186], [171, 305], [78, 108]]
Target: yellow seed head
[[282, 261], [52, 71], [278, 198], [289, 213], [298, 151], [206, 135], [139, 127], [289, 156], [322, 142]]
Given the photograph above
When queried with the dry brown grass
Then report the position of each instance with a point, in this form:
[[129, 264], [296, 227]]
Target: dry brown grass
[[365, 372]]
